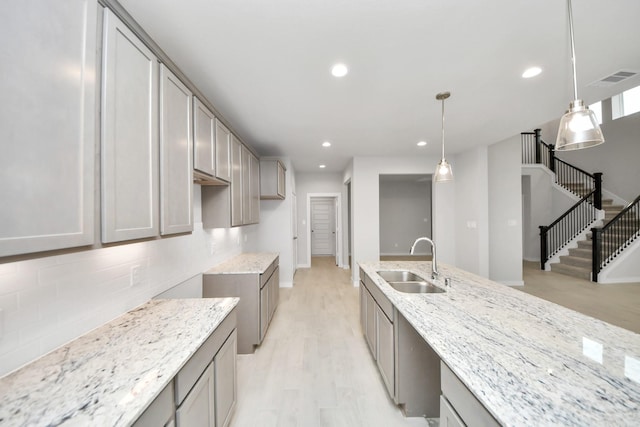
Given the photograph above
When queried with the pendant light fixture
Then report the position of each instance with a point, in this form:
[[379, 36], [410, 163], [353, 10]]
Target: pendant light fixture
[[443, 170], [579, 126]]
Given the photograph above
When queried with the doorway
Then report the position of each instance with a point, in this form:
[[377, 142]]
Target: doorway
[[324, 232]]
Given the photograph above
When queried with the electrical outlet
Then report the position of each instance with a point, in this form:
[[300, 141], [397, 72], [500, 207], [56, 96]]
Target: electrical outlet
[[135, 276]]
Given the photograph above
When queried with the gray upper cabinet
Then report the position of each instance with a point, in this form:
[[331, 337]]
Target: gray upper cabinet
[[246, 185], [272, 180], [204, 146], [223, 152], [254, 192], [47, 125], [176, 143], [130, 179], [236, 182]]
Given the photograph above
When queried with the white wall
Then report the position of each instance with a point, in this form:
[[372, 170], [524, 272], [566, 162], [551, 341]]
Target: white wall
[[505, 212], [623, 269], [472, 211], [405, 213], [617, 158], [49, 301], [274, 233], [307, 183]]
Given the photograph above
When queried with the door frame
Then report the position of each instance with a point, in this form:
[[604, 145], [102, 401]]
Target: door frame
[[338, 222]]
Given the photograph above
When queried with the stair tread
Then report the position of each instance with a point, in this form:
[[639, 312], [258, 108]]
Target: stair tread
[[571, 270]]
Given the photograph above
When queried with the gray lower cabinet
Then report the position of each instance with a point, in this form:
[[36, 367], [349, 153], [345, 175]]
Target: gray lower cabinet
[[47, 125], [254, 190], [448, 417], [258, 293], [204, 391], [225, 381], [176, 170], [408, 366], [161, 412], [385, 349], [460, 405], [130, 178], [198, 408]]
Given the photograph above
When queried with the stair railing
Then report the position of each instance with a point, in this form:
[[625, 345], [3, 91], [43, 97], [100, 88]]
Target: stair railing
[[611, 239], [573, 179], [560, 232]]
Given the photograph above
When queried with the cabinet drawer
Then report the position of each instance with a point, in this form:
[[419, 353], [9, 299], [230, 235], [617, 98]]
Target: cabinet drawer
[[192, 370], [161, 410], [264, 277], [377, 295], [463, 401]]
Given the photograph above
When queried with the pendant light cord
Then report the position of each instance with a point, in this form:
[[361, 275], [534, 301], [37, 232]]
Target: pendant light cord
[[573, 52], [442, 128]]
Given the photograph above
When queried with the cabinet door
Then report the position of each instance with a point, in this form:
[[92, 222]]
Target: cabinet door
[[47, 125], [225, 381], [236, 182], [371, 324], [264, 310], [223, 152], [385, 349], [363, 308], [255, 189], [130, 208], [448, 417], [281, 181], [246, 185], [274, 292], [204, 139], [176, 173], [197, 409]]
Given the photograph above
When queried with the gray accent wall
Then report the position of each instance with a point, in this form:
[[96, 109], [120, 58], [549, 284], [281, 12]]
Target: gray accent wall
[[405, 213]]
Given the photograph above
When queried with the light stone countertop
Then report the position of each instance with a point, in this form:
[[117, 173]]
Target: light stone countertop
[[246, 263], [109, 376], [523, 357]]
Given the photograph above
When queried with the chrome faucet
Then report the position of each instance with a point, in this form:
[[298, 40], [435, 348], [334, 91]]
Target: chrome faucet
[[434, 263]]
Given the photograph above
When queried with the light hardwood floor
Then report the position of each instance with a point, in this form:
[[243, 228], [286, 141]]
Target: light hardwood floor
[[618, 304], [313, 367]]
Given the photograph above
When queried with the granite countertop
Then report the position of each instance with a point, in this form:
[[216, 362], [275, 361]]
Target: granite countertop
[[246, 263], [109, 376], [527, 360]]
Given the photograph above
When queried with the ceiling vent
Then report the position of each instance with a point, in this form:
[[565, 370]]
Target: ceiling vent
[[614, 78]]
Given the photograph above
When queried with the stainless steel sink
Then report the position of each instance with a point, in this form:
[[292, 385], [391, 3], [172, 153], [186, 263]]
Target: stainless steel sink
[[400, 276], [408, 282], [416, 287]]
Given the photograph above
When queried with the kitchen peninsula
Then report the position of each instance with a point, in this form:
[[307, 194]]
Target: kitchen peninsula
[[527, 361]]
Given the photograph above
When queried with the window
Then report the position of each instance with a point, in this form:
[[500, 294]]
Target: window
[[626, 103], [597, 110]]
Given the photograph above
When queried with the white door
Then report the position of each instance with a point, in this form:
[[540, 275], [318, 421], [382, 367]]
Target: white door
[[323, 226]]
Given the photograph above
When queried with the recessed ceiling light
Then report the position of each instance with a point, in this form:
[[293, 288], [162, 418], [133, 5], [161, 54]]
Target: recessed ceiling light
[[531, 72], [326, 144], [339, 70], [422, 143], [322, 166]]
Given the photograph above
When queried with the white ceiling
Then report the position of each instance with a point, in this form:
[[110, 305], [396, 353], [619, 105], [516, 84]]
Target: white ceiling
[[265, 65]]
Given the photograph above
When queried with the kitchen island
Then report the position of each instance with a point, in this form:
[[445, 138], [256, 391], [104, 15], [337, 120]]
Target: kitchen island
[[527, 361], [111, 375]]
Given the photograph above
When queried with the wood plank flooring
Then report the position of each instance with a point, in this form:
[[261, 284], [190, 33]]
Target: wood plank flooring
[[313, 367], [618, 304]]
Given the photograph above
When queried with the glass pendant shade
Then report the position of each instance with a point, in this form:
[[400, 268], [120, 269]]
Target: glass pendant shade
[[578, 128], [443, 172]]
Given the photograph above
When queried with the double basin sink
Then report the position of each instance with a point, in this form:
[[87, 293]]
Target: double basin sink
[[408, 282]]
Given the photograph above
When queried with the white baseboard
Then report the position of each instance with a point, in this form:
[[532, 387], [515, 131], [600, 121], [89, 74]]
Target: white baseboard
[[512, 282], [303, 266], [286, 284]]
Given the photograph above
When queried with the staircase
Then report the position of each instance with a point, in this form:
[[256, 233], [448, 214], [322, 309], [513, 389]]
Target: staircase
[[579, 262]]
